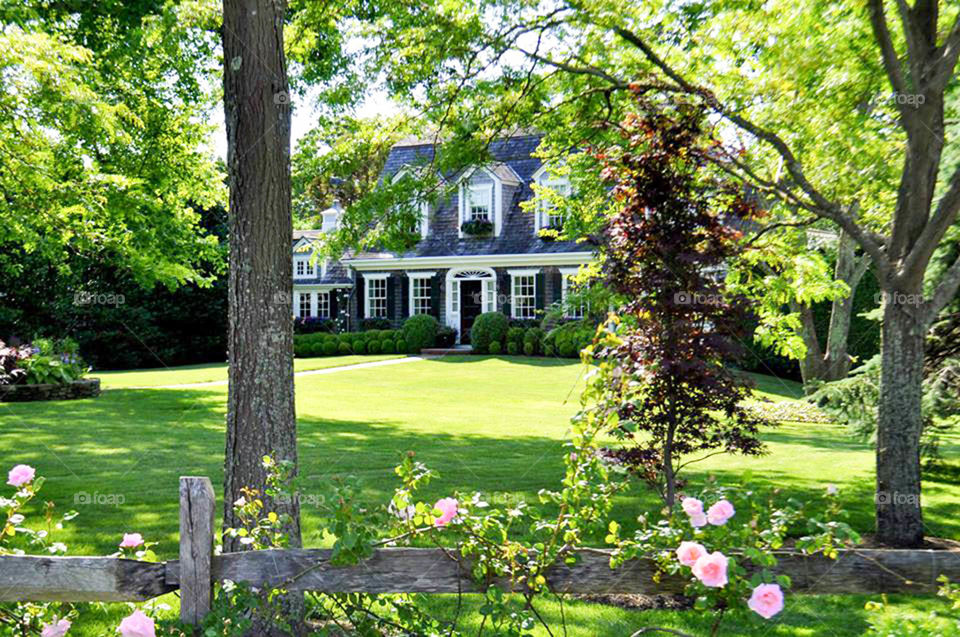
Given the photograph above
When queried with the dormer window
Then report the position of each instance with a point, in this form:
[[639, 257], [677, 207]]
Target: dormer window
[[480, 202], [303, 267], [547, 214]]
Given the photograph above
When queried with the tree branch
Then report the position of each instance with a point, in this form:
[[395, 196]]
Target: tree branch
[[891, 63], [946, 56], [947, 290], [824, 207], [946, 213]]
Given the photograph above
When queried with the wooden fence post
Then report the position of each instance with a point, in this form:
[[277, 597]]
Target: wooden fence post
[[197, 503]]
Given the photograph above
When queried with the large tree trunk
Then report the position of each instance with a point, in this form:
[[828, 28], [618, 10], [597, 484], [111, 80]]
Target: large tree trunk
[[260, 405], [899, 424]]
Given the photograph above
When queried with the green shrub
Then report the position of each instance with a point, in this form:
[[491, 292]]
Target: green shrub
[[549, 350], [512, 348], [515, 335], [420, 331], [314, 348], [567, 349], [495, 347], [345, 348], [330, 348], [487, 328], [388, 347], [534, 336], [360, 347], [529, 349], [373, 347], [404, 348], [371, 335]]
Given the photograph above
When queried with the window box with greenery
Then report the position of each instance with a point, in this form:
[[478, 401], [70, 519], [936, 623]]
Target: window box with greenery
[[477, 227]]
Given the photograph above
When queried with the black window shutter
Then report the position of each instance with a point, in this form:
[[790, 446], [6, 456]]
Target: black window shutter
[[557, 286], [334, 297], [391, 309], [505, 292], [360, 298], [540, 291], [435, 296], [405, 293]]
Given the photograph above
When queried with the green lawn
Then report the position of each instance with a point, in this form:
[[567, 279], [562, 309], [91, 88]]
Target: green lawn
[[484, 423], [210, 372]]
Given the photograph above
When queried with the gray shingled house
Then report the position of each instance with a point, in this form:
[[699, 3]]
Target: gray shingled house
[[451, 273]]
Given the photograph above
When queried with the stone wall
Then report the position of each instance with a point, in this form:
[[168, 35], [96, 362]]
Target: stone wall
[[86, 388]]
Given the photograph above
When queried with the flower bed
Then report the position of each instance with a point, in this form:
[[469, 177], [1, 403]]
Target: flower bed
[[46, 370], [86, 388]]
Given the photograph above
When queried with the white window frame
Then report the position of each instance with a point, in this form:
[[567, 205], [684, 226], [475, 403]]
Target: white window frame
[[495, 213], [565, 275], [299, 268], [557, 184], [368, 280], [415, 279], [300, 305], [322, 304], [515, 276]]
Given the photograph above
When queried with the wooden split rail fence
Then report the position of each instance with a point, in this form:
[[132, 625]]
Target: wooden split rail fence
[[407, 570]]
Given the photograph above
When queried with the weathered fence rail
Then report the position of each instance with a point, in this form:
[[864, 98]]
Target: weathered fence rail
[[407, 570]]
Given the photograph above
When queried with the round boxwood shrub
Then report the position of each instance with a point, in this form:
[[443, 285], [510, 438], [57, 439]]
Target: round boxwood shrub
[[359, 347], [420, 331], [388, 347], [373, 347], [487, 328], [314, 348], [567, 348], [371, 335], [515, 335], [534, 338], [495, 347], [529, 349], [330, 348], [512, 348], [403, 347], [549, 350], [345, 348]]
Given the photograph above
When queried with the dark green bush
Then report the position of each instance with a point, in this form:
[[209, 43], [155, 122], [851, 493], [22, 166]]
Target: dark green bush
[[374, 324], [515, 335], [345, 348], [529, 349], [371, 335], [404, 348], [420, 331], [388, 347], [534, 336], [314, 348], [330, 348], [360, 347], [495, 347], [567, 349], [373, 347], [549, 350], [487, 328], [512, 348]]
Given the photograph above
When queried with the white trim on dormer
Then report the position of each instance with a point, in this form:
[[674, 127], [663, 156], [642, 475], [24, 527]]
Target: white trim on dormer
[[496, 197], [543, 178]]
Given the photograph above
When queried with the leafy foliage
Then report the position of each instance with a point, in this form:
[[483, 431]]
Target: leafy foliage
[[420, 331], [662, 358], [488, 327]]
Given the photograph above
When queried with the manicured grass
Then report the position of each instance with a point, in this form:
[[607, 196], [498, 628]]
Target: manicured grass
[[210, 372], [484, 423]]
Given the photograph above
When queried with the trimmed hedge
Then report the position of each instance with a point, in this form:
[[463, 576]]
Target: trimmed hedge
[[487, 328], [495, 347], [420, 331]]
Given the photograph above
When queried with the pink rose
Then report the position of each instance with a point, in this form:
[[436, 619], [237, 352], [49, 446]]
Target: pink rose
[[131, 540], [711, 569], [137, 625], [692, 506], [448, 509], [766, 600], [20, 475], [689, 552], [720, 512], [56, 629], [698, 519]]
